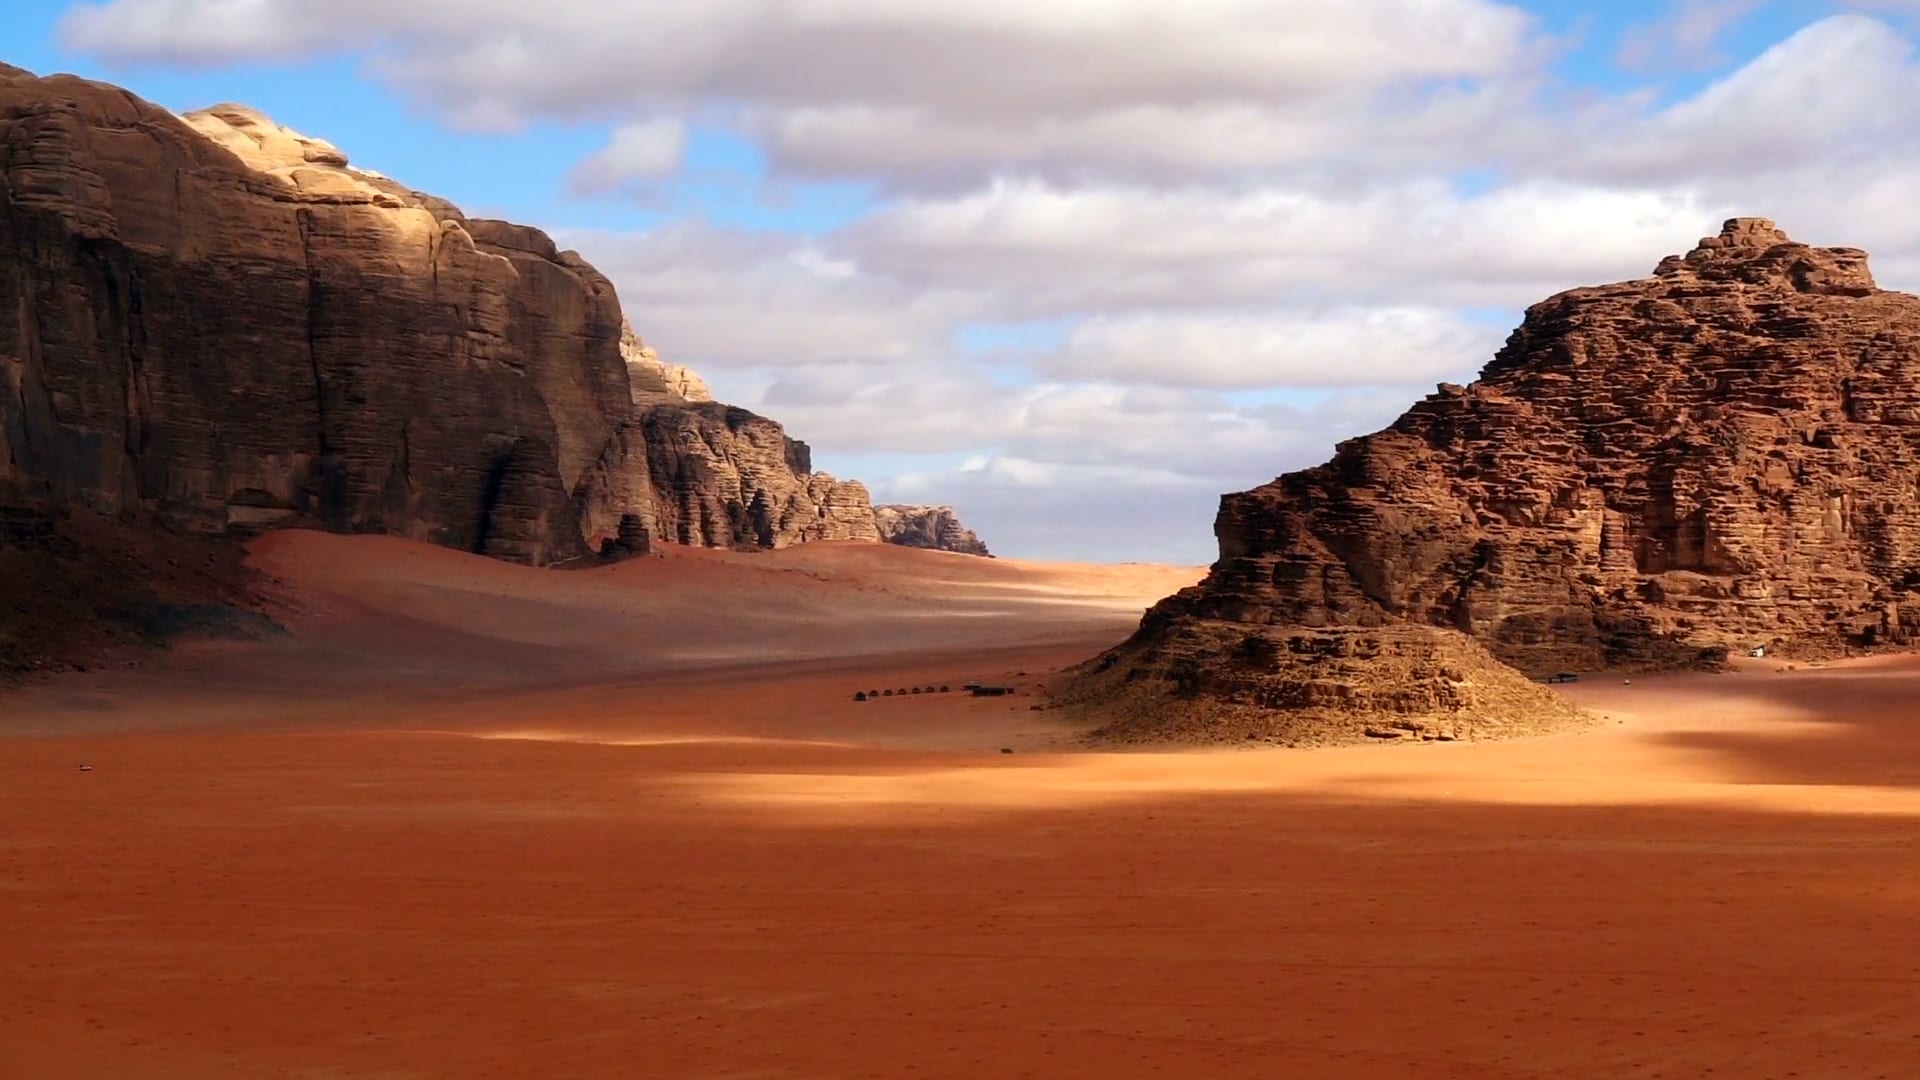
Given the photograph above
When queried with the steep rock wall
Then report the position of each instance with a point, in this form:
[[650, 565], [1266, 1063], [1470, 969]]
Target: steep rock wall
[[219, 325]]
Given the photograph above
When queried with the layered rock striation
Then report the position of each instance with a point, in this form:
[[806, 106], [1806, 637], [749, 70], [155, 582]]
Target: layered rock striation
[[1195, 680], [724, 477], [654, 381], [1649, 474], [936, 528], [214, 323]]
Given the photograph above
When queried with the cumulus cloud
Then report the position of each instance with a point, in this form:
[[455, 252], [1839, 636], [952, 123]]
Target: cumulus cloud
[[1424, 241], [721, 298], [1837, 93], [839, 87], [1090, 514], [636, 153], [1263, 348]]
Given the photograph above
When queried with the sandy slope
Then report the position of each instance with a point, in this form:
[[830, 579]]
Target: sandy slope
[[476, 821]]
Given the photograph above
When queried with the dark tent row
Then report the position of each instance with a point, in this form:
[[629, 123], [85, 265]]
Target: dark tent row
[[865, 695], [976, 689]]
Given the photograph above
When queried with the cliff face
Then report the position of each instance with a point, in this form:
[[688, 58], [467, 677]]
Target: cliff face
[[224, 326], [726, 477], [1648, 474], [655, 381], [934, 527], [215, 323]]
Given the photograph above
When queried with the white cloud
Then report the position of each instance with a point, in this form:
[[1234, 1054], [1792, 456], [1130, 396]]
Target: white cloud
[[1087, 513], [719, 298], [1687, 36], [1423, 242], [840, 86], [1135, 49], [1264, 348], [1839, 92], [635, 154], [932, 409]]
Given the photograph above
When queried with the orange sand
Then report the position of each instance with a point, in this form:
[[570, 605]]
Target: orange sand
[[480, 821]]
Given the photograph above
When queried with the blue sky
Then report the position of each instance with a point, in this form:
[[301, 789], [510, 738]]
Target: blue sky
[[1075, 270]]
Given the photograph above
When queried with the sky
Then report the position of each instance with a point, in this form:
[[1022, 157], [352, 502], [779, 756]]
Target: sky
[[1076, 267]]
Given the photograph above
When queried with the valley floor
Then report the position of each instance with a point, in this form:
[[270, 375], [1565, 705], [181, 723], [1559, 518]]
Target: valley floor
[[473, 820]]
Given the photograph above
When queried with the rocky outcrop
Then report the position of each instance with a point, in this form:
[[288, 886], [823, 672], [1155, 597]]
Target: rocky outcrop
[[1649, 474], [728, 478], [934, 527], [220, 325], [654, 381], [1216, 681]]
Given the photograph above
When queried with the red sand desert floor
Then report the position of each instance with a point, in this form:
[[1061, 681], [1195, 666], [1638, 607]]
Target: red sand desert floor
[[477, 821]]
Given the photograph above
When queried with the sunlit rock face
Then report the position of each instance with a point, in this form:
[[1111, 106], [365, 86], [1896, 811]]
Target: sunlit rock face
[[217, 323]]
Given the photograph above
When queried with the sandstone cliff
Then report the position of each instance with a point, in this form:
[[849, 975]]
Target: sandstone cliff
[[1649, 474], [725, 477], [211, 325], [934, 527], [218, 324], [654, 381]]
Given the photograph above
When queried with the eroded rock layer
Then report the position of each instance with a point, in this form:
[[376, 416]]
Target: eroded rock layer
[[726, 477], [1649, 474], [1216, 681], [219, 325], [934, 527], [653, 380]]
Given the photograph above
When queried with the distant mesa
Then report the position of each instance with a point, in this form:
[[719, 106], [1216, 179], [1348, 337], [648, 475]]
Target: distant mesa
[[936, 528], [1648, 475]]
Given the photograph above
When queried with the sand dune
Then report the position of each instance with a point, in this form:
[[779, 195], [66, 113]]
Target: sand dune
[[475, 820]]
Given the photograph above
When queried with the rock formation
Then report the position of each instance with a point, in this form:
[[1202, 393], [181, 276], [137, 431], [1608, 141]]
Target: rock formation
[[211, 325], [220, 325], [934, 527], [654, 381], [1648, 474], [724, 477], [1217, 681]]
